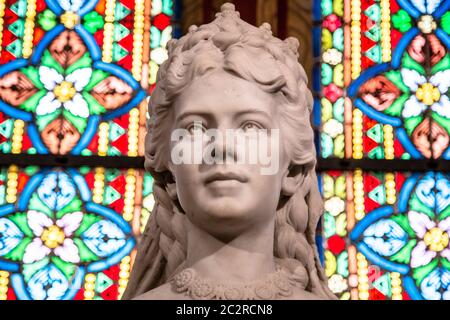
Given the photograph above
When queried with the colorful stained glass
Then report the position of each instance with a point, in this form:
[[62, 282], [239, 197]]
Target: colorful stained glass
[[75, 77], [382, 93], [386, 235], [70, 234], [384, 79], [74, 74]]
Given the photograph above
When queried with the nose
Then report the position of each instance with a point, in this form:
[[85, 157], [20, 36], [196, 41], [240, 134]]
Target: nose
[[223, 146]]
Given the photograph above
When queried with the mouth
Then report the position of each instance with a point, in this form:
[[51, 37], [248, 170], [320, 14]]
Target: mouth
[[225, 176]]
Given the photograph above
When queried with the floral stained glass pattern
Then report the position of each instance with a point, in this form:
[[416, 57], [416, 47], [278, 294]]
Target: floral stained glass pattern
[[75, 77], [387, 234], [411, 92], [75, 74], [66, 96], [382, 93], [413, 240], [70, 234], [383, 90]]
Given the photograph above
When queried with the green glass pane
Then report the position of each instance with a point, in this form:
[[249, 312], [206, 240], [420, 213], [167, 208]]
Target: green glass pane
[[420, 273], [86, 255], [416, 205], [73, 206], [20, 220], [402, 21], [88, 220], [404, 255], [30, 269], [17, 253], [68, 269]]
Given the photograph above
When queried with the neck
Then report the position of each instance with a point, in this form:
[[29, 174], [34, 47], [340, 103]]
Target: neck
[[247, 257]]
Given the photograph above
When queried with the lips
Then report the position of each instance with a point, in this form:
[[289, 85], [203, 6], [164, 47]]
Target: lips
[[225, 176]]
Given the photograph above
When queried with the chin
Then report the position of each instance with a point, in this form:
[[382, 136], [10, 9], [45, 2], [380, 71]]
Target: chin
[[227, 209], [230, 217]]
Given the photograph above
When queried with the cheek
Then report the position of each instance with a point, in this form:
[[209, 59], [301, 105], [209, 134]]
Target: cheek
[[266, 190], [185, 173], [186, 179]]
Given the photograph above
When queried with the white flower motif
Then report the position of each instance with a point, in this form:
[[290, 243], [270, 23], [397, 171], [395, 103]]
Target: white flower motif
[[35, 251], [420, 256], [420, 223], [426, 93], [413, 108], [64, 91], [433, 240], [49, 77], [77, 106], [52, 237], [412, 79], [442, 107], [68, 251], [441, 80], [80, 78]]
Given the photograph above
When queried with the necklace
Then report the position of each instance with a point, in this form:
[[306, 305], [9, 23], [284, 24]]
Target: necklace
[[279, 284]]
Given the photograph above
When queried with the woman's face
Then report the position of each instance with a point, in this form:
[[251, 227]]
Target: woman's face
[[229, 192]]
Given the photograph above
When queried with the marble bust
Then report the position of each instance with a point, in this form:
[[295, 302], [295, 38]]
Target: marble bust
[[226, 230]]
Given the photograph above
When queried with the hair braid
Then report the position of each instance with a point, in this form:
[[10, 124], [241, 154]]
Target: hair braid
[[295, 239], [167, 224]]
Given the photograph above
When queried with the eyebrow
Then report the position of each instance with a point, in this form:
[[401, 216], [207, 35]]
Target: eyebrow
[[253, 110], [207, 115], [185, 115]]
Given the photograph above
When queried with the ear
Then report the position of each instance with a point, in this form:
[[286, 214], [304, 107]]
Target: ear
[[292, 179]]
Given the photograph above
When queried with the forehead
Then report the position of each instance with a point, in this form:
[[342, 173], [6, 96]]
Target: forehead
[[221, 93]]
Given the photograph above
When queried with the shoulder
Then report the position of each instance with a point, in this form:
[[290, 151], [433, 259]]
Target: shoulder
[[163, 292]]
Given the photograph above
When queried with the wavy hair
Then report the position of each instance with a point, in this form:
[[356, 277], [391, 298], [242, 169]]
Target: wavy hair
[[230, 44]]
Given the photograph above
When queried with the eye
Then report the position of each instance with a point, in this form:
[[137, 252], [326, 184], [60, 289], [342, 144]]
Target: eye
[[196, 128], [250, 126]]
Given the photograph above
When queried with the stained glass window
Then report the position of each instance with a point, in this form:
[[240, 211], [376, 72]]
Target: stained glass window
[[381, 85], [74, 78], [69, 233], [74, 74]]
